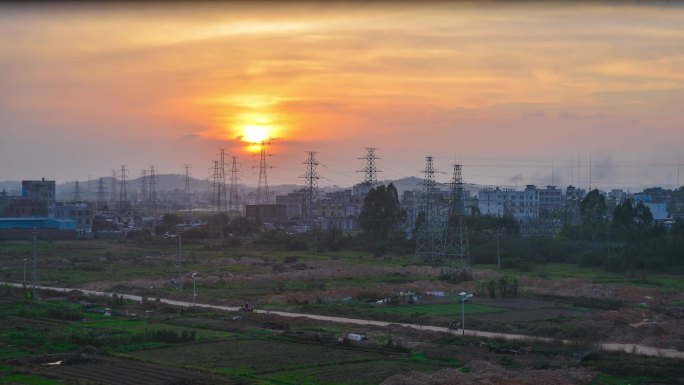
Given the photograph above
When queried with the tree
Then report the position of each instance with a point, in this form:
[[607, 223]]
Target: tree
[[623, 220], [169, 221], [593, 212], [382, 216]]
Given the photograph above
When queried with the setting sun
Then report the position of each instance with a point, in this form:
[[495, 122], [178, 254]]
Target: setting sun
[[255, 134]]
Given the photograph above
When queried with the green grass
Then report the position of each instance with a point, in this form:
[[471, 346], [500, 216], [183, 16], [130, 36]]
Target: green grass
[[440, 310], [27, 379], [554, 271], [8, 353], [604, 379]]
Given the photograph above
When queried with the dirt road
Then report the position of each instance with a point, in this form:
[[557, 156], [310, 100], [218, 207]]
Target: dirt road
[[614, 347]]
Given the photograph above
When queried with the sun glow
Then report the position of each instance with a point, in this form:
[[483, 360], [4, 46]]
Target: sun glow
[[255, 134]]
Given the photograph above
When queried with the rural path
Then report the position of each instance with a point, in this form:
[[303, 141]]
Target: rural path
[[606, 346]]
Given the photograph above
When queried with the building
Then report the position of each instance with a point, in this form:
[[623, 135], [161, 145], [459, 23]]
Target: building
[[521, 205], [340, 210], [267, 214], [40, 191], [658, 209], [294, 203], [43, 228], [80, 212], [550, 198]]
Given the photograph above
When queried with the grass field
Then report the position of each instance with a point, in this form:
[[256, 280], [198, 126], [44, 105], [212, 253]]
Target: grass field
[[440, 310], [287, 362], [561, 271]]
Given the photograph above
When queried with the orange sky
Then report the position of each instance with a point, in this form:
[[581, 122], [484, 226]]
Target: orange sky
[[504, 89]]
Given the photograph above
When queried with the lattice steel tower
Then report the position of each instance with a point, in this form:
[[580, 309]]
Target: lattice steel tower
[[456, 231], [262, 197], [123, 197], [233, 196], [77, 191], [215, 184], [222, 180], [112, 186], [143, 187], [310, 187], [100, 194], [429, 237], [371, 178], [187, 188], [153, 191]]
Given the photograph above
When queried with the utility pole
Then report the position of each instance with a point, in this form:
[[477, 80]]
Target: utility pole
[[498, 255], [35, 238], [678, 172], [187, 188], [371, 171], [589, 170], [310, 186], [180, 263]]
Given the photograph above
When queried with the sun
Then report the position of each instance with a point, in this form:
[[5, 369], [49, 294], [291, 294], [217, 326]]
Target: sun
[[254, 134]]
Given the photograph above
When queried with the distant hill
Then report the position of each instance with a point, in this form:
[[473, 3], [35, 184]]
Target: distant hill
[[170, 182]]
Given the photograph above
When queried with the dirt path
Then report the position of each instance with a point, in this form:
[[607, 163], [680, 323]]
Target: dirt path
[[614, 347]]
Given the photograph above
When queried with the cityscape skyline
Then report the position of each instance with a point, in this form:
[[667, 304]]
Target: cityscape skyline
[[510, 91]]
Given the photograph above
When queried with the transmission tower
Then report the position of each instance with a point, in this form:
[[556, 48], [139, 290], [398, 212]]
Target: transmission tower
[[153, 191], [113, 187], [215, 185], [429, 232], [310, 187], [233, 198], [77, 191], [370, 179], [123, 198], [187, 188], [143, 186], [456, 231], [262, 197], [89, 191], [100, 194], [222, 180]]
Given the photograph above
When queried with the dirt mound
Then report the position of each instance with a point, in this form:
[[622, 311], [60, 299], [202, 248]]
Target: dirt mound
[[481, 372]]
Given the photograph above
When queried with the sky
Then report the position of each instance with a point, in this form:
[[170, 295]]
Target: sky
[[521, 93]]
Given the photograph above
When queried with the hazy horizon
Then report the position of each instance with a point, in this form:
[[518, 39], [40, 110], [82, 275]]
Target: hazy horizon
[[510, 91]]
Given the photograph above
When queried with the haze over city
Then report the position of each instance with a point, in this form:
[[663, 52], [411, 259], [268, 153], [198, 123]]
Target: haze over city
[[508, 90]]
